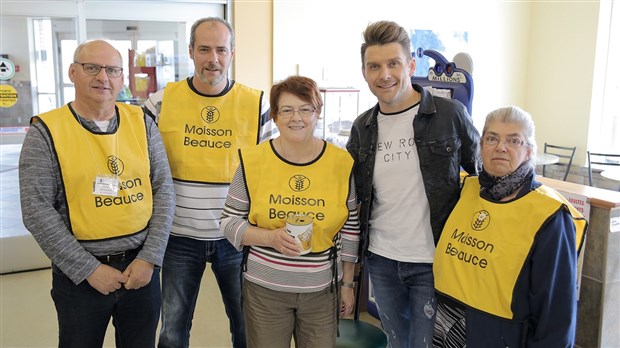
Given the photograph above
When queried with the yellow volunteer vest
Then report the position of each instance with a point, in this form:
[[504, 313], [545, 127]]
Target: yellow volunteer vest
[[84, 155], [484, 245], [202, 134], [278, 189]]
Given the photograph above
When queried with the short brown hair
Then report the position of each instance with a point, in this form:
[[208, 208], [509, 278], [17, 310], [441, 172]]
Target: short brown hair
[[303, 87], [192, 35], [383, 33]]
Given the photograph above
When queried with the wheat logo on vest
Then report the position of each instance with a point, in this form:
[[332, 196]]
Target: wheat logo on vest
[[115, 165], [310, 206], [210, 114], [480, 220], [299, 183]]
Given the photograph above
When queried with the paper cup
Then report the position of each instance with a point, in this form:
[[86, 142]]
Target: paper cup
[[300, 227]]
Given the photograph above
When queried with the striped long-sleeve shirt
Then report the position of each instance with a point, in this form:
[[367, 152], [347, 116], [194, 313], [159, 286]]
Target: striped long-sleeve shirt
[[199, 205], [274, 270]]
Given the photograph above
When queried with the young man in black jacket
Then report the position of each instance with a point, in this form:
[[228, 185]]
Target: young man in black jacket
[[408, 151]]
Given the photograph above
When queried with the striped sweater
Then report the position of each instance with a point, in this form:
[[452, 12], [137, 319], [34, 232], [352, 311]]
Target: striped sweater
[[276, 271]]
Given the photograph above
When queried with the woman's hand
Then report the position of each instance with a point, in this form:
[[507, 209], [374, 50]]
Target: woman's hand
[[347, 289], [284, 242], [347, 301]]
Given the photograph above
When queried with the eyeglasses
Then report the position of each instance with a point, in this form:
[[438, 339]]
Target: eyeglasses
[[305, 112], [94, 69], [492, 140]]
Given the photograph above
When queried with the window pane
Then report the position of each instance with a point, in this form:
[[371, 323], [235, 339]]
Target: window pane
[[67, 47], [47, 102], [604, 134], [69, 94], [123, 46], [612, 80], [30, 44], [44, 55]]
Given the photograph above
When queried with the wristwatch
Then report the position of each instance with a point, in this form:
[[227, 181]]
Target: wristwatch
[[348, 285]]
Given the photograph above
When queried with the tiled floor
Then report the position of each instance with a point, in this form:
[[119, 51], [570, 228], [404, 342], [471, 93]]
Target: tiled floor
[[18, 250], [9, 190], [27, 314], [28, 317]]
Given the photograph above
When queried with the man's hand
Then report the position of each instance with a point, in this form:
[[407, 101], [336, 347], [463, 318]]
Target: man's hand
[[139, 273], [106, 279]]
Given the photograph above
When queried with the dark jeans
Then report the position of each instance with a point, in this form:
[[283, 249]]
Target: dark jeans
[[405, 297], [182, 271], [84, 313]]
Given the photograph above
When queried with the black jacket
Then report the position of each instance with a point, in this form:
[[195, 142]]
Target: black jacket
[[445, 139]]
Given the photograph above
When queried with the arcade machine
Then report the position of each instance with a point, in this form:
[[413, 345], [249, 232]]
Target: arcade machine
[[446, 79], [449, 79]]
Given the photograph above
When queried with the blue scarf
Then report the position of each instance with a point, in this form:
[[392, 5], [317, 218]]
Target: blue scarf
[[498, 187]]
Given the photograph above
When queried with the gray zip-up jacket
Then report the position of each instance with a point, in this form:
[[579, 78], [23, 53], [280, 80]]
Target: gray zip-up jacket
[[445, 139]]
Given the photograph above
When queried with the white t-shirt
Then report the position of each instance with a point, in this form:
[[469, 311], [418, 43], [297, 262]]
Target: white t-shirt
[[400, 226], [103, 125]]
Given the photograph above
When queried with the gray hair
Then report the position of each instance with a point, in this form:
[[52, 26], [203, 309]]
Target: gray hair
[[514, 114], [81, 47], [192, 36]]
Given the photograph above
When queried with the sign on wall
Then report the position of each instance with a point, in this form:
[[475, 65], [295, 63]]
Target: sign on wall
[[7, 69]]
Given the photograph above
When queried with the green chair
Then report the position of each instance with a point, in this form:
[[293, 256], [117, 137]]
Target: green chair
[[355, 333]]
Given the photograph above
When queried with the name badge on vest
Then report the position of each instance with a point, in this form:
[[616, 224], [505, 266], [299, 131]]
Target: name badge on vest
[[106, 185]]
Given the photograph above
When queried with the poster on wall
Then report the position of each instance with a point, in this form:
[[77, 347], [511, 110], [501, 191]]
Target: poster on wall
[[580, 202]]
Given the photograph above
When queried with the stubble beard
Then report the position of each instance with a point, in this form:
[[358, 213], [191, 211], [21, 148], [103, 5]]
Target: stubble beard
[[210, 82]]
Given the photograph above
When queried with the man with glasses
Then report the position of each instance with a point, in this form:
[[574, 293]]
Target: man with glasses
[[408, 150], [204, 120], [97, 196]]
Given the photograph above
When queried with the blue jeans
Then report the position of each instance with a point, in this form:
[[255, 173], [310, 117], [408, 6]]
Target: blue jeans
[[84, 313], [405, 297], [184, 265]]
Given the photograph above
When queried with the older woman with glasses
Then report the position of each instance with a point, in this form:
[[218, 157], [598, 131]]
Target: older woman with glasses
[[506, 263], [290, 288]]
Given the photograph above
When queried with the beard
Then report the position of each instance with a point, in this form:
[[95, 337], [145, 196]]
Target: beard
[[211, 81]]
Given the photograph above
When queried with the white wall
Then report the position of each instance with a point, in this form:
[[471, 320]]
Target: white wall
[[561, 69], [253, 64], [538, 55], [325, 44], [535, 54], [13, 34]]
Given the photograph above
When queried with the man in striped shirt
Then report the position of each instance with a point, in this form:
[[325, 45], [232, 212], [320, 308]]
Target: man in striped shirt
[[204, 120]]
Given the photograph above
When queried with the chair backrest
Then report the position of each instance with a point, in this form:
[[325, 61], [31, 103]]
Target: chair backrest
[[601, 159], [565, 153]]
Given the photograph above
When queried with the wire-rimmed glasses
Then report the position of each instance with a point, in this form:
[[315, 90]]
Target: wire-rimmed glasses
[[512, 142], [94, 69], [287, 112]]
